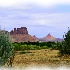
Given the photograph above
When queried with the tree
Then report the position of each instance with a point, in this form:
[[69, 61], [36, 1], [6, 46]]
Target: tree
[[6, 47], [65, 47]]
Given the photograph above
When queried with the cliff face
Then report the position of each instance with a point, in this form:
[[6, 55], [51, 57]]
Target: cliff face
[[22, 30], [21, 35]]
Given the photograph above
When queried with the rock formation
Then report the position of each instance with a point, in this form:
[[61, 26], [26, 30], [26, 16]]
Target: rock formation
[[21, 35], [22, 30], [49, 37]]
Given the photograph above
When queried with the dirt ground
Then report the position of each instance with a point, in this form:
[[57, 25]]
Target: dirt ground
[[44, 57]]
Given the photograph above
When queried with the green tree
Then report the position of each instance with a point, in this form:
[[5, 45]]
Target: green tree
[[6, 47], [65, 47]]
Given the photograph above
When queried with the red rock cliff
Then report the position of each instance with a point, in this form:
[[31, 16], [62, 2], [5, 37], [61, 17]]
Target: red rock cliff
[[22, 30]]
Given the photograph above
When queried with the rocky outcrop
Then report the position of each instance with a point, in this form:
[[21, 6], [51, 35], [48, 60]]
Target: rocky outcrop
[[21, 35], [22, 31]]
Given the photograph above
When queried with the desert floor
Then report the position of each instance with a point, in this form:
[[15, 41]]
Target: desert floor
[[44, 57]]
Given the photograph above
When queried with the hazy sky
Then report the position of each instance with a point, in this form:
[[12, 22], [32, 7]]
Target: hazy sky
[[39, 16]]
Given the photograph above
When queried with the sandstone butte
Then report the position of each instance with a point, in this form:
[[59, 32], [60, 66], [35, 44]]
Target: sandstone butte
[[21, 35]]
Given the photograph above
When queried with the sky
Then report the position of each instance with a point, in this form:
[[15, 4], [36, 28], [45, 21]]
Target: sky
[[41, 17]]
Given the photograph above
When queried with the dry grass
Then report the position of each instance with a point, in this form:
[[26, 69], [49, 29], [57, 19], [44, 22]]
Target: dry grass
[[40, 57]]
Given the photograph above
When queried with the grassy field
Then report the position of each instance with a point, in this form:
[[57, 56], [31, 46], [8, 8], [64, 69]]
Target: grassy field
[[44, 57]]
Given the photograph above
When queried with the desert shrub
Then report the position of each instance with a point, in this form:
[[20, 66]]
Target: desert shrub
[[16, 47], [29, 47], [43, 44], [56, 45], [36, 47], [21, 43], [33, 47], [44, 47], [6, 47], [49, 44], [23, 47]]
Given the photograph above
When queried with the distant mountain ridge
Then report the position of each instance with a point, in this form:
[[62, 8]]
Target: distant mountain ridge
[[21, 35], [49, 37]]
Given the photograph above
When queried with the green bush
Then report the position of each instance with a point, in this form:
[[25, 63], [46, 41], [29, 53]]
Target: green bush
[[44, 47], [6, 47], [65, 46], [36, 47], [16, 47], [23, 47]]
